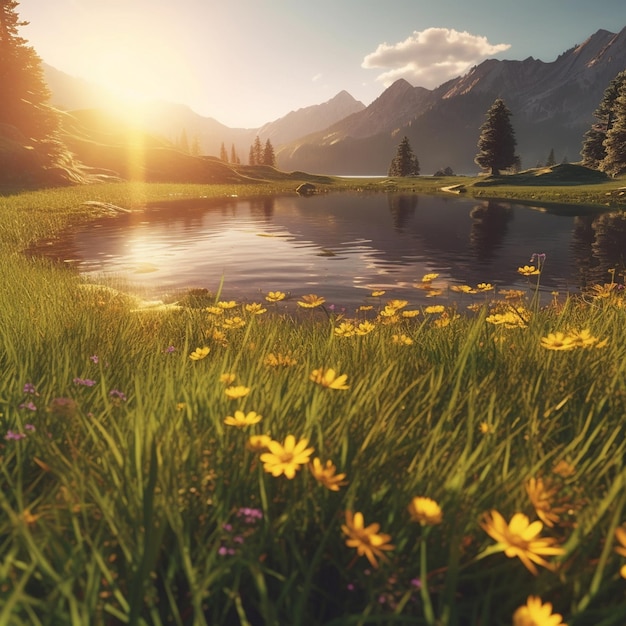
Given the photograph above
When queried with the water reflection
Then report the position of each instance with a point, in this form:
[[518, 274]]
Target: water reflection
[[344, 245]]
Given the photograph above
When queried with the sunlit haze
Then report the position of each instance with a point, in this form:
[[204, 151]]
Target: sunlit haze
[[250, 62]]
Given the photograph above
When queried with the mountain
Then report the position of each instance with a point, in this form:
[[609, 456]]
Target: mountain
[[170, 119], [552, 106]]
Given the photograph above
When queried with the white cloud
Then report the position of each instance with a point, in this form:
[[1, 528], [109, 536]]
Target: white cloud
[[430, 57], [316, 77]]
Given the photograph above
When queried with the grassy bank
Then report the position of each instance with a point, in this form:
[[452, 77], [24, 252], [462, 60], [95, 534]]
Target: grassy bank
[[129, 496]]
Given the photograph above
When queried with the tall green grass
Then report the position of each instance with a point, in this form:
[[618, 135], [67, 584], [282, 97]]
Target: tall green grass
[[126, 499]]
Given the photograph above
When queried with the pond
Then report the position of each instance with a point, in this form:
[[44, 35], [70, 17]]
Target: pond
[[344, 246]]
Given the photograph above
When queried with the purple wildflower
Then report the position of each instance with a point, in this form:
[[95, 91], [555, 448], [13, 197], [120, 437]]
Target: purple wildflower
[[30, 427], [30, 388], [28, 405], [11, 436], [170, 349], [94, 358], [116, 393], [86, 382]]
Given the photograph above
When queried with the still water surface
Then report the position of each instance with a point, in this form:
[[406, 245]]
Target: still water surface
[[343, 246]]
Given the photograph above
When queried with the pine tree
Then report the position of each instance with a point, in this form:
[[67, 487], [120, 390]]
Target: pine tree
[[258, 151], [593, 150], [551, 160], [269, 158], [223, 153], [405, 162], [614, 162], [233, 154], [497, 142], [252, 156], [26, 118]]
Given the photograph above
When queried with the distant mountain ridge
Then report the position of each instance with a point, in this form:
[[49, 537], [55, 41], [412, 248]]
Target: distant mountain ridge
[[552, 106]]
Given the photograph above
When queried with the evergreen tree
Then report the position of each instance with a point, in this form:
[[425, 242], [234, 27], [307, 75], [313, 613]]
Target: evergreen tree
[[29, 123], [258, 151], [551, 160], [223, 153], [233, 154], [269, 158], [593, 150], [405, 162], [252, 156], [614, 162], [497, 142], [195, 146]]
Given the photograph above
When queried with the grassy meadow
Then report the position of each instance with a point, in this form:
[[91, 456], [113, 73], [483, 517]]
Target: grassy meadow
[[214, 463]]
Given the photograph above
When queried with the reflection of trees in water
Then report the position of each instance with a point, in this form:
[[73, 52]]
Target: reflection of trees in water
[[262, 207], [598, 245], [402, 209], [489, 227], [609, 247], [581, 246]]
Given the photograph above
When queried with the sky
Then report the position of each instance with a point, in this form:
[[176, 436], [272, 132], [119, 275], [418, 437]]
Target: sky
[[249, 62]]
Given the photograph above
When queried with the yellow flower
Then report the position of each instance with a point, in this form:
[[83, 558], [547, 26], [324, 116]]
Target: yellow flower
[[328, 378], [232, 323], [445, 320], [364, 328], [199, 353], [519, 538], [463, 289], [215, 310], [557, 341], [345, 329], [275, 296], [401, 340], [311, 301], [508, 319], [583, 338], [486, 428], [227, 304], [435, 308], [326, 475], [432, 293], [397, 304], [365, 307], [542, 498], [388, 311], [255, 308], [564, 469], [425, 511], [367, 540], [258, 442], [241, 419], [512, 294], [409, 314], [376, 294], [286, 458], [237, 392], [528, 270], [227, 378], [534, 613], [620, 535], [428, 278], [484, 287]]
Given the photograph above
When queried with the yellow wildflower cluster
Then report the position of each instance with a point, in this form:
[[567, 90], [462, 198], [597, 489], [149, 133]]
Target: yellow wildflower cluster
[[509, 319], [311, 301], [351, 329], [534, 613], [572, 340], [275, 296], [528, 270]]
